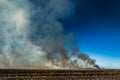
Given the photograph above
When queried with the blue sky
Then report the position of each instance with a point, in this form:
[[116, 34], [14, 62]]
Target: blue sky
[[96, 23], [102, 45]]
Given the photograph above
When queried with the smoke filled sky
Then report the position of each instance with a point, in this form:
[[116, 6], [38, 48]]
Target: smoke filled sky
[[46, 33], [96, 23], [32, 35]]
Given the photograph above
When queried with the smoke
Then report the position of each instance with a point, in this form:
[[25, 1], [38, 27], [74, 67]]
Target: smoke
[[32, 37]]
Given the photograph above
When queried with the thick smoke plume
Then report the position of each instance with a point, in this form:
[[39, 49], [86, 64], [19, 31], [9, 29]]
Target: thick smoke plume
[[32, 37]]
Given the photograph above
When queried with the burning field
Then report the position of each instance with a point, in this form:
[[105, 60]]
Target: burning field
[[33, 44]]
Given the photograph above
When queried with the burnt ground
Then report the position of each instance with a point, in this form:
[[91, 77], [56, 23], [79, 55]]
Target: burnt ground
[[51, 74]]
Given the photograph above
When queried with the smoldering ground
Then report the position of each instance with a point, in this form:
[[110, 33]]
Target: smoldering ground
[[32, 37]]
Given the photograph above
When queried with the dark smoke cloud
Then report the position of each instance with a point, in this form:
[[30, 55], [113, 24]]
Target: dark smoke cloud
[[32, 36]]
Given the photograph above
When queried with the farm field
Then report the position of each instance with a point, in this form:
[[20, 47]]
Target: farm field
[[52, 74]]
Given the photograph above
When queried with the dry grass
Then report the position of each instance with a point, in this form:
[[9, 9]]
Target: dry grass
[[52, 74]]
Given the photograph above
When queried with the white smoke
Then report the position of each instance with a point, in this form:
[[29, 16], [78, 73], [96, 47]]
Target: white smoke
[[17, 50], [19, 19]]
